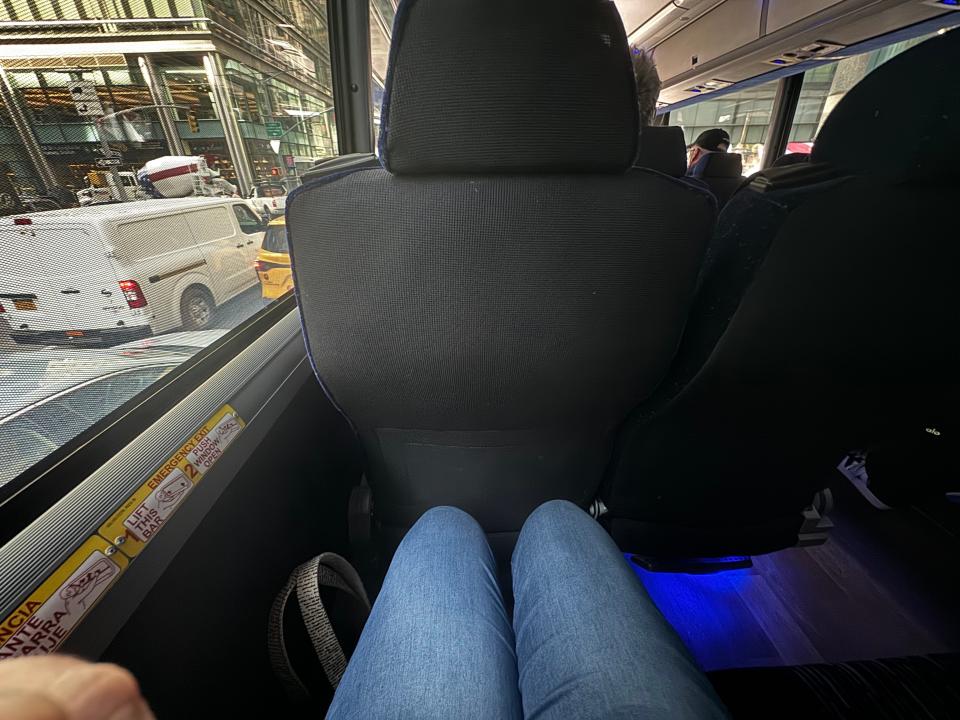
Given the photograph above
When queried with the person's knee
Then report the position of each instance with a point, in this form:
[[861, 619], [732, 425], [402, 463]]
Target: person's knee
[[551, 523], [447, 515], [553, 513], [445, 521]]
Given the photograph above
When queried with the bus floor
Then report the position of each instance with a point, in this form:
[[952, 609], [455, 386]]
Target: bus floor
[[884, 585]]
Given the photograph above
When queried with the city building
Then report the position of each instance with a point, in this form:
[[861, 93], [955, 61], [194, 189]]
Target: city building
[[90, 84]]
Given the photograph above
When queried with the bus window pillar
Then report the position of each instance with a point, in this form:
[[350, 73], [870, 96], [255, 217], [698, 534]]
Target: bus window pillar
[[216, 75], [160, 96], [20, 121], [350, 60]]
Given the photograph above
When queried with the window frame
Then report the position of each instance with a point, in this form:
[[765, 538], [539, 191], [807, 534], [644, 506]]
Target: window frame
[[348, 23], [743, 106], [241, 208], [781, 118], [797, 74], [269, 237], [31, 493]]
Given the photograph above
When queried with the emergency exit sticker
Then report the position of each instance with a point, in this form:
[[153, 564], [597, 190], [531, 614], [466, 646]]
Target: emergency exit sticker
[[145, 512], [45, 619]]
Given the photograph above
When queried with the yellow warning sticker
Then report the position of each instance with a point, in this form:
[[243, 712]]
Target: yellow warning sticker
[[45, 619], [132, 526]]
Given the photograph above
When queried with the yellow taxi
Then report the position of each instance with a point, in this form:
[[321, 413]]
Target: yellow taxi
[[273, 261]]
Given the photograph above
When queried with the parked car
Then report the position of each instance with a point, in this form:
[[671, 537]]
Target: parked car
[[54, 394], [273, 261], [112, 273], [269, 198]]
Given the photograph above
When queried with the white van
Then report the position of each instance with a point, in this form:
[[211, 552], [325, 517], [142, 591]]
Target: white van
[[111, 273]]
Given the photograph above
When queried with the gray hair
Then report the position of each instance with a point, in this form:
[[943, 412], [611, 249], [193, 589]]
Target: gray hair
[[648, 83]]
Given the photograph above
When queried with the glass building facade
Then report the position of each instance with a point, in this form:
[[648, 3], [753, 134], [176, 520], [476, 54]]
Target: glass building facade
[[244, 83]]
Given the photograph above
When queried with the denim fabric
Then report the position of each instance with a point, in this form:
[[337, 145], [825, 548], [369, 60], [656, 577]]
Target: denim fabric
[[438, 643], [590, 643]]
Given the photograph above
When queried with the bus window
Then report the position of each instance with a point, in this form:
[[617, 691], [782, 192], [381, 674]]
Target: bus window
[[382, 13], [824, 86], [744, 114], [136, 190]]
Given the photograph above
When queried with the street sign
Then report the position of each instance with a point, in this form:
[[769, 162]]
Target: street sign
[[274, 129], [85, 98], [109, 162]]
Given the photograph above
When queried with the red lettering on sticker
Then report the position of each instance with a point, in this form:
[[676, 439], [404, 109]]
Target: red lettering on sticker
[[17, 619], [143, 523]]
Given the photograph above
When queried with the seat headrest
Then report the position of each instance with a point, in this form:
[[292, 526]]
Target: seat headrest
[[898, 122], [722, 165], [664, 149], [508, 86]]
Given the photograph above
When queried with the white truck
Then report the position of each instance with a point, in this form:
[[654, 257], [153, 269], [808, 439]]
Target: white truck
[[269, 198], [169, 176], [116, 272], [177, 176]]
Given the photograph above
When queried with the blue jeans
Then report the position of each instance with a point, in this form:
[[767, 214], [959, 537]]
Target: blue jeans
[[585, 642]]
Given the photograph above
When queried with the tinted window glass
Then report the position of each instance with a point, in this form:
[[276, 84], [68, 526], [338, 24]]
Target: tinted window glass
[[31, 433], [744, 114], [249, 223], [275, 239], [123, 170], [271, 190], [825, 86]]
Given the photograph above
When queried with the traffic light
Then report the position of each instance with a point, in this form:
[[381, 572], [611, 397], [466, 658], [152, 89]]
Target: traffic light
[[275, 172], [192, 121]]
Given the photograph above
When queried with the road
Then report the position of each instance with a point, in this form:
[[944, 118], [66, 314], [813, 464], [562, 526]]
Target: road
[[228, 315], [80, 385], [31, 372], [234, 312]]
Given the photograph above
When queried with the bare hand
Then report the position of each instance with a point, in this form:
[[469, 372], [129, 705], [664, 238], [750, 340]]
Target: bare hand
[[57, 687]]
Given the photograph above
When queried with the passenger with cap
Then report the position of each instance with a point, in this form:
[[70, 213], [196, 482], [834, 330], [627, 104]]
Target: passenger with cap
[[709, 141]]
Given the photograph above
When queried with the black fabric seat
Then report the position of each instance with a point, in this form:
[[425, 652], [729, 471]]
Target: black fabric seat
[[823, 320], [662, 148], [723, 174], [488, 307], [791, 159]]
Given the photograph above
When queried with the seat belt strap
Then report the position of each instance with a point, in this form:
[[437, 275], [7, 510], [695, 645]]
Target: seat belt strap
[[277, 648], [315, 617], [330, 570]]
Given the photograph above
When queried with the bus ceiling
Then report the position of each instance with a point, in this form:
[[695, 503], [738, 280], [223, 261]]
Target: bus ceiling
[[710, 46]]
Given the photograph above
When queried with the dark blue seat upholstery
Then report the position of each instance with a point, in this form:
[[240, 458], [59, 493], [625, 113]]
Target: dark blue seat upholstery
[[722, 172], [662, 148]]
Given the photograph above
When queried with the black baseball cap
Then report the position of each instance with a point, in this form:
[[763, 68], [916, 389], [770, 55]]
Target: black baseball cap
[[712, 139]]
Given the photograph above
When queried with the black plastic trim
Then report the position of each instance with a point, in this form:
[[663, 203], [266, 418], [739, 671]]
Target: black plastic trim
[[30, 494], [781, 118], [248, 382], [180, 271], [349, 28]]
